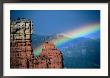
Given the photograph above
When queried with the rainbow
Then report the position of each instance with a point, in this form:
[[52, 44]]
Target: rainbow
[[73, 34]]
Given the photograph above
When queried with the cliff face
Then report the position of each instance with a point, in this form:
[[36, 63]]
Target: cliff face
[[21, 55], [20, 43]]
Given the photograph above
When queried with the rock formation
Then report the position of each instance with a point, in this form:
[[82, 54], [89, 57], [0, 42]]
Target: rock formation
[[20, 43], [50, 57], [21, 54]]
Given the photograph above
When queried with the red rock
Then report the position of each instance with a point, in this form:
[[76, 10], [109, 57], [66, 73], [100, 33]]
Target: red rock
[[21, 55]]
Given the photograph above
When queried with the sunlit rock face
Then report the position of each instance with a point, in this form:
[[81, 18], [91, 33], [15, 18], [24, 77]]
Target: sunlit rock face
[[20, 43]]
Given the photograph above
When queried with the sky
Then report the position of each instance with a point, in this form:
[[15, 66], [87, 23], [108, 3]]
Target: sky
[[48, 22]]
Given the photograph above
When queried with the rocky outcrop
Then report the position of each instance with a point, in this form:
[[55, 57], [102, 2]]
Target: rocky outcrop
[[50, 57], [20, 43], [21, 54]]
